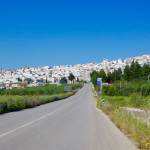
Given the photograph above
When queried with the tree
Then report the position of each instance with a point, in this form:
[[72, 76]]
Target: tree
[[116, 75], [46, 81], [138, 70], [127, 73], [120, 71], [71, 77], [94, 76], [63, 80], [40, 80], [109, 77], [145, 70], [102, 75], [135, 69], [28, 80], [132, 70], [78, 80], [93, 72], [19, 79]]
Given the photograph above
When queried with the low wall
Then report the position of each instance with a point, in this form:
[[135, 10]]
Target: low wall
[[141, 114]]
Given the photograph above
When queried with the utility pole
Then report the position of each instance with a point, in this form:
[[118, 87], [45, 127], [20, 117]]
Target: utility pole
[[141, 84], [148, 77], [126, 88], [120, 86], [133, 85], [101, 85]]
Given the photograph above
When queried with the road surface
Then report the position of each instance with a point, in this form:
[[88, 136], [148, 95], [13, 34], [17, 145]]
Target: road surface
[[70, 124]]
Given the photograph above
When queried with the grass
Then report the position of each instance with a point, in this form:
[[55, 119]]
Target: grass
[[134, 101], [9, 103], [15, 103], [126, 89], [120, 101], [47, 89], [134, 128]]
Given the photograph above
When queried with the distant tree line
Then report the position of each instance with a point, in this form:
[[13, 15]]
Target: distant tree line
[[71, 77], [110, 77], [135, 71]]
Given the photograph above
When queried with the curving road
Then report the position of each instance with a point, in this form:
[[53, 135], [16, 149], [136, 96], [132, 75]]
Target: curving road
[[70, 124]]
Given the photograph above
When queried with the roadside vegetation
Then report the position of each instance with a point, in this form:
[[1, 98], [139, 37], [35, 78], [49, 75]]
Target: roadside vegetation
[[47, 89], [129, 89], [134, 74], [133, 101], [137, 130], [126, 89], [18, 99]]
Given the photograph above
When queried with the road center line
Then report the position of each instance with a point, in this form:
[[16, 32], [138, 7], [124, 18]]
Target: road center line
[[27, 124]]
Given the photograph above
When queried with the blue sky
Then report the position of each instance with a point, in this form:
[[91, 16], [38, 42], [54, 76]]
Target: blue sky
[[60, 32]]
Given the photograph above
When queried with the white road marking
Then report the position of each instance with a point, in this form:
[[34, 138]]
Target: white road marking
[[27, 124]]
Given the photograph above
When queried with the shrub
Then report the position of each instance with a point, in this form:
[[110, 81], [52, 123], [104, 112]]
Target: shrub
[[126, 90], [137, 100]]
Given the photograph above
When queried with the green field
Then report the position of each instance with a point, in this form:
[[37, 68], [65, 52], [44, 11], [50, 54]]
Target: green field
[[47, 89], [126, 89], [17, 99], [134, 100], [135, 128]]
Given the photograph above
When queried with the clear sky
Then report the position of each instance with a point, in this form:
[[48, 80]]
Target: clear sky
[[59, 32]]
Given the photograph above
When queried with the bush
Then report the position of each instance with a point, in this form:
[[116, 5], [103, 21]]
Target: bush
[[126, 90], [137, 100], [21, 102]]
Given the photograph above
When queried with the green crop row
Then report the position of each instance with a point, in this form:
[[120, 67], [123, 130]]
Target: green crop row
[[17, 99], [40, 90], [14, 103]]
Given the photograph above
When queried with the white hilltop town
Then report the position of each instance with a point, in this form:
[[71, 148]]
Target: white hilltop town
[[53, 74]]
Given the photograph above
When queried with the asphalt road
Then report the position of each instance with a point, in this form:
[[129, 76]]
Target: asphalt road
[[70, 124]]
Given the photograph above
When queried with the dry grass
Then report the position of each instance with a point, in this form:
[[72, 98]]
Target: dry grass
[[135, 129]]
